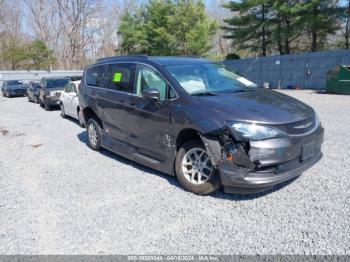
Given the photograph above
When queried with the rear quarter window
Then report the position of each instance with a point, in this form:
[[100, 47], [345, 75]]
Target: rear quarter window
[[94, 76]]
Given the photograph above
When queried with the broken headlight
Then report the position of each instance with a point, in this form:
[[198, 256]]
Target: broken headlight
[[254, 131]]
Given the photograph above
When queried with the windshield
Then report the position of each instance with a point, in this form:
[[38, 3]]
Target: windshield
[[14, 83], [209, 78], [52, 83], [35, 85]]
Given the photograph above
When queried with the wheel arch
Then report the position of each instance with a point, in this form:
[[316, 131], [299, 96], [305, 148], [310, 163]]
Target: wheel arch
[[88, 113], [212, 144], [186, 135]]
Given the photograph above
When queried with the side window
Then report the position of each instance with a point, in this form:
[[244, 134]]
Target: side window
[[74, 88], [94, 76], [67, 88], [148, 78], [120, 77], [172, 93]]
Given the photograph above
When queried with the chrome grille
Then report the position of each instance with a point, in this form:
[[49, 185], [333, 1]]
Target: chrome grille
[[300, 128]]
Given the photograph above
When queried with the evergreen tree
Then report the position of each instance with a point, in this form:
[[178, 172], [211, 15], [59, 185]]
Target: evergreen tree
[[249, 28], [347, 26], [132, 33], [284, 30], [319, 18], [39, 56], [191, 27], [168, 27]]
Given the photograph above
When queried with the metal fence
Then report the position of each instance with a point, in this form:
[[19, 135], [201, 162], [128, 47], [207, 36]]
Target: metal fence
[[306, 70], [36, 75]]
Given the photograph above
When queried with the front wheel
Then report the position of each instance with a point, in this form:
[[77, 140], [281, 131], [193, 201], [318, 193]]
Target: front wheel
[[36, 100], [94, 134], [194, 169]]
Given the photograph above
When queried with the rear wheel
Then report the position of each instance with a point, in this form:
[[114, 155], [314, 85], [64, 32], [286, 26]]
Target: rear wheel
[[63, 113], [194, 169], [94, 134], [80, 119]]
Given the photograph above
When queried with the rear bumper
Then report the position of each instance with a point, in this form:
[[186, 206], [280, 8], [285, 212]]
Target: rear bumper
[[279, 160], [52, 100]]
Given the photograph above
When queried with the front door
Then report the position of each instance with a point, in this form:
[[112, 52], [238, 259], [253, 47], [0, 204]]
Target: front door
[[149, 119]]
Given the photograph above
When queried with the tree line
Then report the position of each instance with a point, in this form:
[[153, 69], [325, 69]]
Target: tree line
[[69, 34], [288, 26]]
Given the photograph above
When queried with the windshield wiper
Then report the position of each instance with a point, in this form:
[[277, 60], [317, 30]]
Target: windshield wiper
[[205, 93], [243, 90]]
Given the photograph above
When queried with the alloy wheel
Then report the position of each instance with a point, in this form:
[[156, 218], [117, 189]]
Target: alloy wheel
[[92, 134], [196, 166]]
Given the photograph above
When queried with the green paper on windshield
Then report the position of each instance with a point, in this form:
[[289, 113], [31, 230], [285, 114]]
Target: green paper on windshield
[[117, 77]]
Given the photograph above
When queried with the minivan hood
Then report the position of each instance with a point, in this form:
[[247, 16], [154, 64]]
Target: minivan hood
[[260, 106]]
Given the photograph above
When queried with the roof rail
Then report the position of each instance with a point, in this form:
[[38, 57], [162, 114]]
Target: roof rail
[[114, 57]]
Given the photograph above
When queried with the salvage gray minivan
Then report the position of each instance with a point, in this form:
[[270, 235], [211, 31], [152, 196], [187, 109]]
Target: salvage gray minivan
[[196, 120]]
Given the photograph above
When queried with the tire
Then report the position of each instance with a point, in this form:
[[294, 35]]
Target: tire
[[81, 121], [47, 107], [204, 181], [36, 101], [94, 137], [63, 113], [8, 95], [29, 100]]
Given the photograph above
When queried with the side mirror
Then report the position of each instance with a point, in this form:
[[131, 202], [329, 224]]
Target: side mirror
[[151, 93]]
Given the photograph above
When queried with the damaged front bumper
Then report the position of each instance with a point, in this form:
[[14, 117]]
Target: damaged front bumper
[[234, 181], [272, 161]]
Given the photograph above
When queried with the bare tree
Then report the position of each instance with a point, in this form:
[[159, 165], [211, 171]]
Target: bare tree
[[10, 29], [221, 45]]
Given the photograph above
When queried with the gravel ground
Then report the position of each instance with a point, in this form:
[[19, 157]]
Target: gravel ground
[[57, 196]]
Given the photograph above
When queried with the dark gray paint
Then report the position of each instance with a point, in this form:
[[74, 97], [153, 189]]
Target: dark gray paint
[[146, 131]]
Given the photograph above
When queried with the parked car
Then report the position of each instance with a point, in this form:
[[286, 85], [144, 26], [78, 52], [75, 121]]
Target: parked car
[[49, 94], [192, 118], [12, 88], [69, 101], [33, 90]]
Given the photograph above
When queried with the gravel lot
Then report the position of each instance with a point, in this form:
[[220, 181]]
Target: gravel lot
[[57, 196]]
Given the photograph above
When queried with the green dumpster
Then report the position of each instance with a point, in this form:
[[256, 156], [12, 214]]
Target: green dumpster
[[338, 80]]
